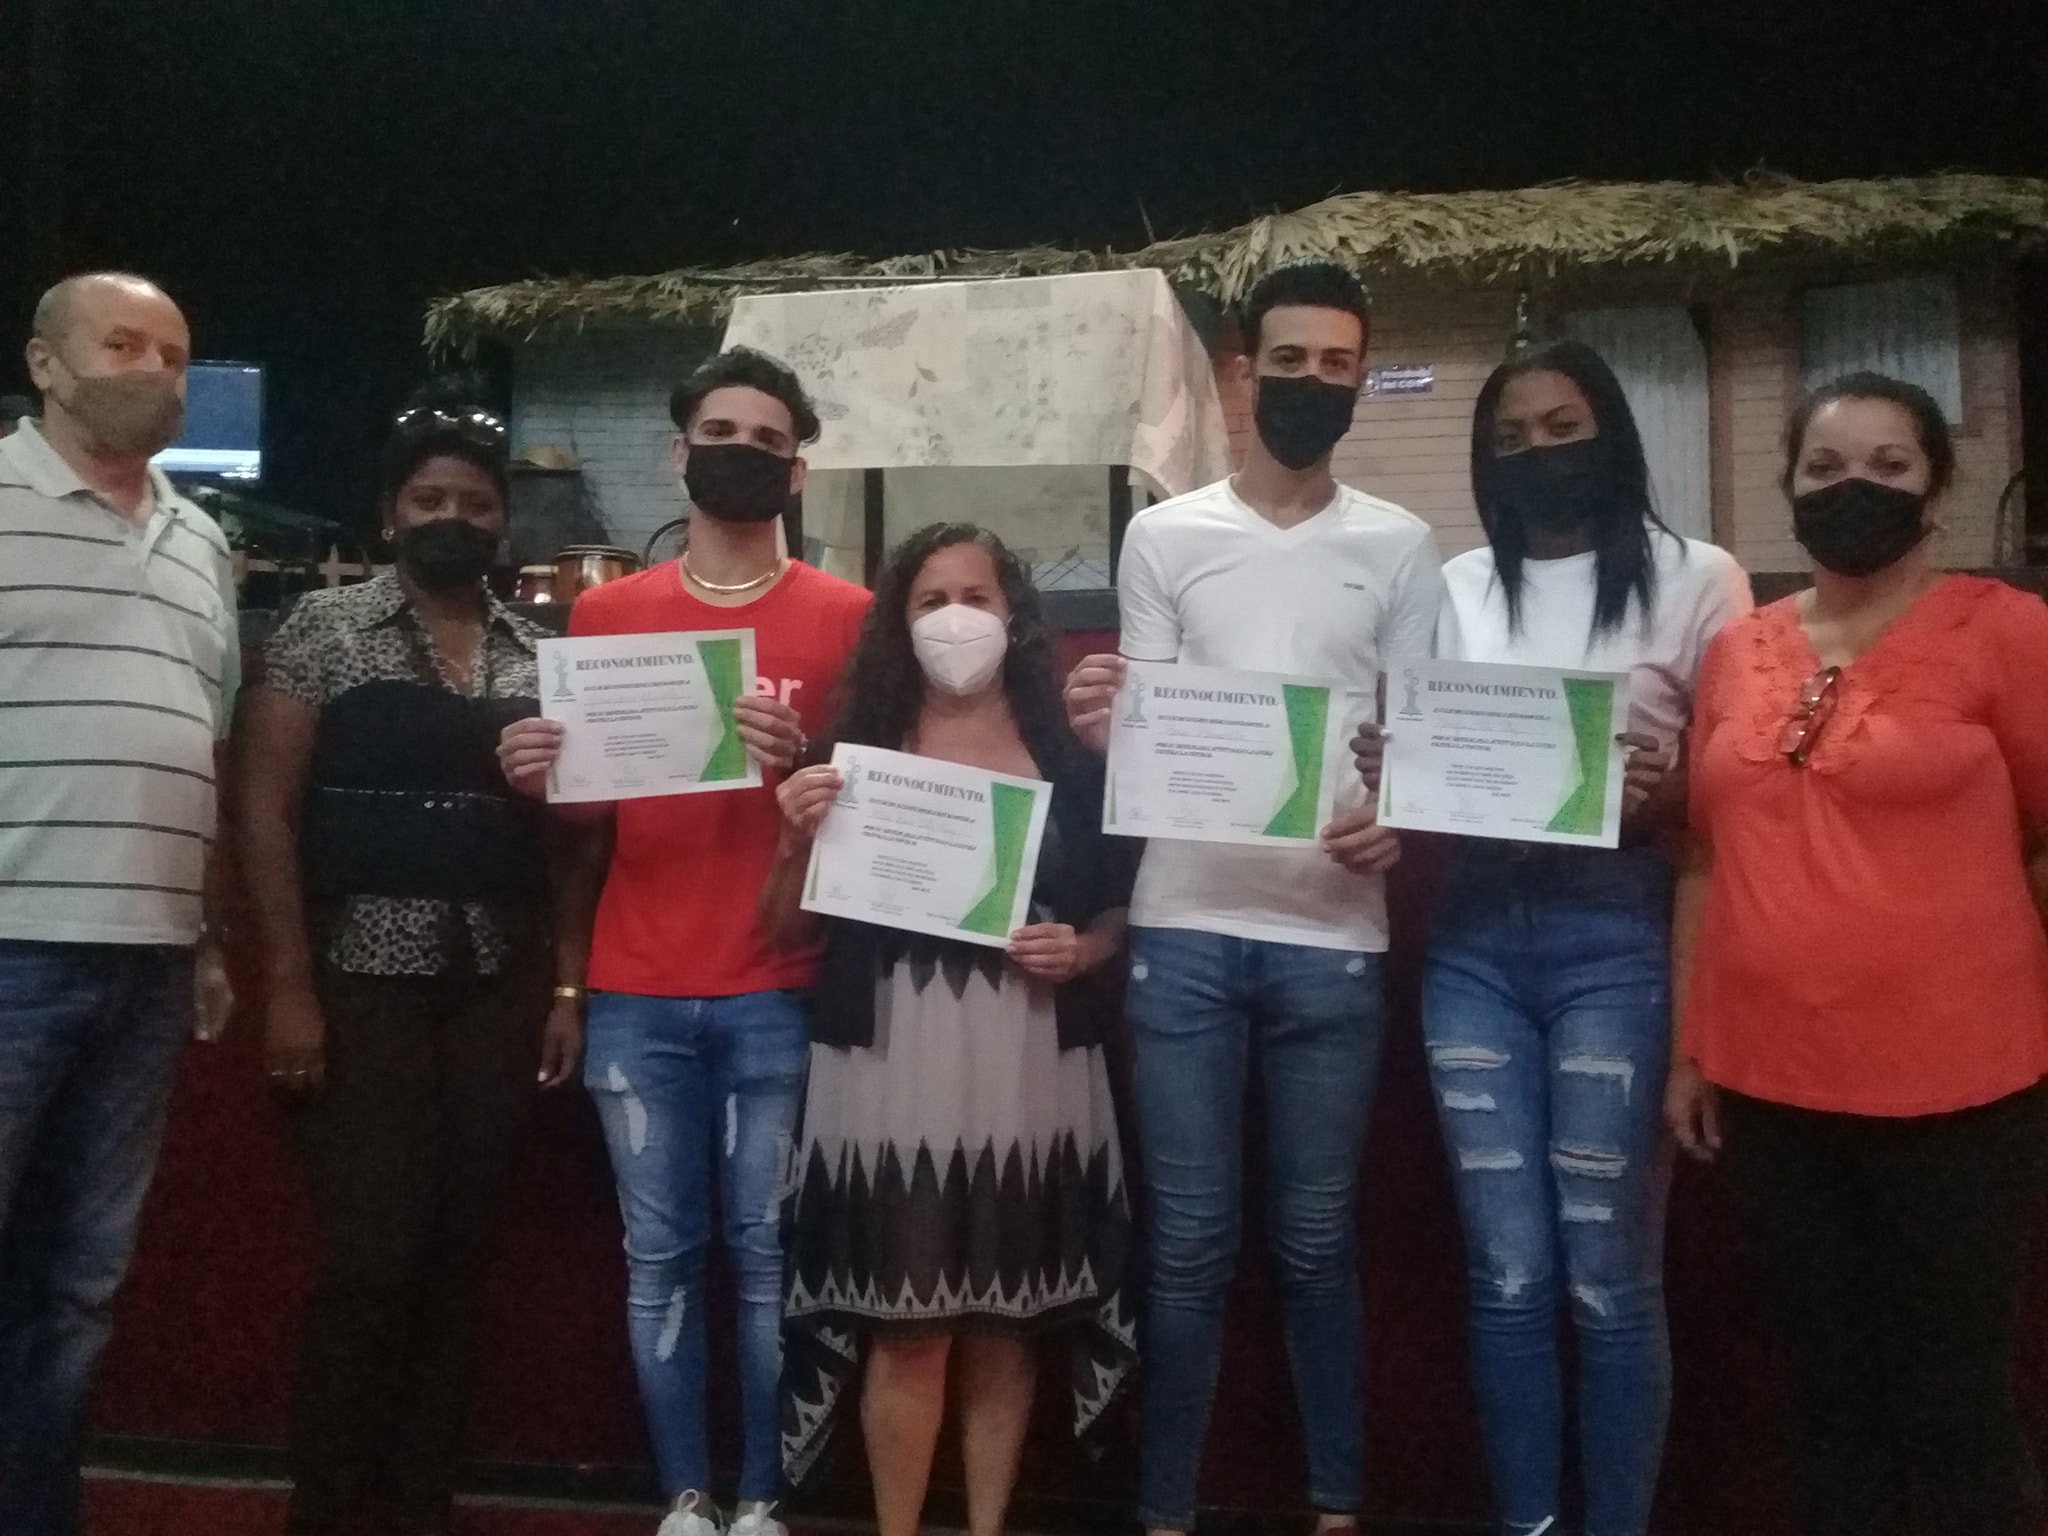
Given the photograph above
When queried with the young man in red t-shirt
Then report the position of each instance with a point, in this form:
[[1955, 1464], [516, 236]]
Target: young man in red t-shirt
[[697, 1038]]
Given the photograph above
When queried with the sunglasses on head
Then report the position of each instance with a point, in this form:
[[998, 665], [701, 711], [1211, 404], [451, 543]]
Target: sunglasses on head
[[1810, 716], [479, 427]]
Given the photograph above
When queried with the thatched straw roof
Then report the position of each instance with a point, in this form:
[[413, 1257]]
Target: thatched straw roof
[[1475, 236]]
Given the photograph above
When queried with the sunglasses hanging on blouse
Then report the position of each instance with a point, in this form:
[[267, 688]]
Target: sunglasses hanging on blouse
[[1810, 717]]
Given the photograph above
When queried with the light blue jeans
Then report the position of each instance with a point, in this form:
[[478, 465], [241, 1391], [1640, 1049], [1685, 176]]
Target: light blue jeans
[[89, 1039], [688, 1089], [1547, 1021], [1199, 1004]]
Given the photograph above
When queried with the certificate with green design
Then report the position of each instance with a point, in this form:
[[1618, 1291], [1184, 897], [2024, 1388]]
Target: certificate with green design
[[647, 715], [1489, 750], [935, 847], [1214, 755]]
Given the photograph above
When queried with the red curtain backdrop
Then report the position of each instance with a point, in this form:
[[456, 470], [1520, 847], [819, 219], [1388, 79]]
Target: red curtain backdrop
[[204, 1345]]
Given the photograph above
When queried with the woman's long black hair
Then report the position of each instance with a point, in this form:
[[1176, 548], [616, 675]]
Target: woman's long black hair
[[884, 687], [1624, 558]]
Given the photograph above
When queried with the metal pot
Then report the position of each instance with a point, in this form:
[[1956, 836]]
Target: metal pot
[[581, 566], [536, 584]]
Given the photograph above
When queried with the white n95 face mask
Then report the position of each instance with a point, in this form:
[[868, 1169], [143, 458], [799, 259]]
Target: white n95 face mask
[[960, 648]]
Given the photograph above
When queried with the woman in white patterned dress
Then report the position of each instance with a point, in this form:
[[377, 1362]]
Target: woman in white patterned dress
[[959, 1188]]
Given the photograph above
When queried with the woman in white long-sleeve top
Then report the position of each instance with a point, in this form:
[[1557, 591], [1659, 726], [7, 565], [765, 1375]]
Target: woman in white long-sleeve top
[[1546, 1010]]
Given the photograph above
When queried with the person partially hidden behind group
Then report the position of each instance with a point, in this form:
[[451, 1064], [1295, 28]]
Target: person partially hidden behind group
[[959, 1191], [1864, 983], [402, 898]]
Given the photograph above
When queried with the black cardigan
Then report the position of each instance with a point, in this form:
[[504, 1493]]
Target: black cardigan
[[1082, 873]]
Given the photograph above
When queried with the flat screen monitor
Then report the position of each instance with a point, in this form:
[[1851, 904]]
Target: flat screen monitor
[[223, 437]]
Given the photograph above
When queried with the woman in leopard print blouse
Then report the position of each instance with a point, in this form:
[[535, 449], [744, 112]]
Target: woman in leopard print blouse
[[403, 897]]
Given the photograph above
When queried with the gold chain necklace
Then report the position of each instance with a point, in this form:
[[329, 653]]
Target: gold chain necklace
[[724, 591]]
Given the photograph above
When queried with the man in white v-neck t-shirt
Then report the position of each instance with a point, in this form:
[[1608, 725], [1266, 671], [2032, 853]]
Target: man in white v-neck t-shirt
[[1235, 949]]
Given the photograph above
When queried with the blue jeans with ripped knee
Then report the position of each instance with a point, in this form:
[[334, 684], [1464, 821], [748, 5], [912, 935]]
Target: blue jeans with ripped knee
[[1547, 1019], [688, 1089]]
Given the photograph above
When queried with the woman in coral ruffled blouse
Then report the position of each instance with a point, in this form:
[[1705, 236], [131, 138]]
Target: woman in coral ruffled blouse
[[1863, 976]]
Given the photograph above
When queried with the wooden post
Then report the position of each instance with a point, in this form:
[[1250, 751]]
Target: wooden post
[[873, 529], [1716, 330], [1119, 514], [793, 527]]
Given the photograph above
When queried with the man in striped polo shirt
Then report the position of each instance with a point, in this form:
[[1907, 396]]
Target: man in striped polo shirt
[[118, 660]]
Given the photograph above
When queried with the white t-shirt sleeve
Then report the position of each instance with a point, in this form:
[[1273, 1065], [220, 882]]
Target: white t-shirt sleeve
[[1417, 605], [1724, 596], [1450, 640], [1148, 616]]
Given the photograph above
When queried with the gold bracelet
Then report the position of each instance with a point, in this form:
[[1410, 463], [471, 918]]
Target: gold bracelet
[[570, 994]]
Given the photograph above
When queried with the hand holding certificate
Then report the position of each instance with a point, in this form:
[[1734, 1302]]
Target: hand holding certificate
[[1214, 755], [931, 846], [647, 714], [1497, 751]]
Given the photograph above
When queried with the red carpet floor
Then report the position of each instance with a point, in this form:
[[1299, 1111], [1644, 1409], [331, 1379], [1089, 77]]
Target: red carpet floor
[[123, 1506], [203, 1349]]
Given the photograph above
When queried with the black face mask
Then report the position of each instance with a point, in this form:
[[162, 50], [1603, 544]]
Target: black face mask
[[1858, 527], [1555, 489], [446, 554], [1300, 417], [737, 481]]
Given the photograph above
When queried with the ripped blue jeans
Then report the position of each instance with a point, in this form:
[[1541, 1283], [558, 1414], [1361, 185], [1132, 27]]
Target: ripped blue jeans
[[1547, 1019], [689, 1088]]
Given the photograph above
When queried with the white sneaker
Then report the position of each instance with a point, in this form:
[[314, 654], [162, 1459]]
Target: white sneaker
[[693, 1515], [756, 1520]]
